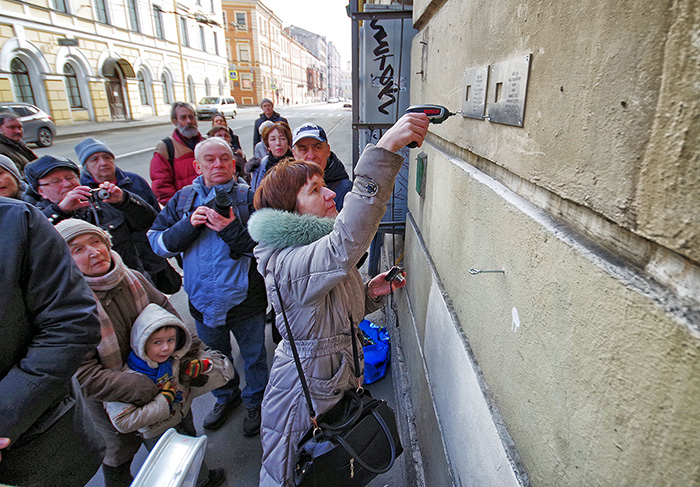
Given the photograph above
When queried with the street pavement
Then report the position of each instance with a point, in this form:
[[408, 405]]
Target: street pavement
[[133, 144]]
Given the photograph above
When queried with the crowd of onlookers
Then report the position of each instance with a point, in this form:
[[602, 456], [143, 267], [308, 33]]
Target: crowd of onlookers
[[93, 352]]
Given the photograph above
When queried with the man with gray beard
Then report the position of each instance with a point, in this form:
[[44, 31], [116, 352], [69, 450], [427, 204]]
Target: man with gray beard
[[172, 166]]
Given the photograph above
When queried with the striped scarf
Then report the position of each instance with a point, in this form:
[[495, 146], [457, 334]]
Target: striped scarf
[[108, 348]]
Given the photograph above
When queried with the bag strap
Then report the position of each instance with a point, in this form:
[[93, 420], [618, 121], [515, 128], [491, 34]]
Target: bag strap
[[171, 150], [297, 362], [185, 199]]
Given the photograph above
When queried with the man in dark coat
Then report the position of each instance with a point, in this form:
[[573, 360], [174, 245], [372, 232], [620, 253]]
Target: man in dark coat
[[268, 113], [48, 323], [310, 144], [121, 213], [11, 144]]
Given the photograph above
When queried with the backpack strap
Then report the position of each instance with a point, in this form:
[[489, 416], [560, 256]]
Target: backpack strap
[[243, 198], [171, 150], [185, 199]]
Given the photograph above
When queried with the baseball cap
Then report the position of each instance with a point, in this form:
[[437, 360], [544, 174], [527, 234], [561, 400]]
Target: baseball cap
[[309, 130], [38, 169]]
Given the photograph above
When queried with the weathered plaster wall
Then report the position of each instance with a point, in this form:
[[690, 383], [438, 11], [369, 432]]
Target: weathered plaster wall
[[589, 345]]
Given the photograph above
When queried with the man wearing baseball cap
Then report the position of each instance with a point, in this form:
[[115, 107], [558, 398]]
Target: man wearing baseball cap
[[310, 144], [268, 113], [121, 213]]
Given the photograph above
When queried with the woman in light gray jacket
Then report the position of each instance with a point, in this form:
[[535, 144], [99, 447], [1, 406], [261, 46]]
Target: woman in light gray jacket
[[312, 256]]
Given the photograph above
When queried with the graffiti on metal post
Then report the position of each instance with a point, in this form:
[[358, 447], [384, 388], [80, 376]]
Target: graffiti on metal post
[[384, 57]]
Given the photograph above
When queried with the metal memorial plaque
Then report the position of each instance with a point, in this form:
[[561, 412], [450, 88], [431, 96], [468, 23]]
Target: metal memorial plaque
[[474, 95], [507, 91]]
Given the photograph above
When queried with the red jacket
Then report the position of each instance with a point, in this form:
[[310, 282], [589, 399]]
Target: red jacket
[[167, 178]]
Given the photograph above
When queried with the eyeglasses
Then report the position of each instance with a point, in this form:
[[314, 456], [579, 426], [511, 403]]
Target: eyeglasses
[[54, 182]]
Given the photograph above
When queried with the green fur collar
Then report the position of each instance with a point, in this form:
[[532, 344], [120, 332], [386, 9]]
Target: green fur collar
[[281, 229]]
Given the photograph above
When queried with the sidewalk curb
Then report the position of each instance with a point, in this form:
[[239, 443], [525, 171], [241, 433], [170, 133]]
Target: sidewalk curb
[[102, 130]]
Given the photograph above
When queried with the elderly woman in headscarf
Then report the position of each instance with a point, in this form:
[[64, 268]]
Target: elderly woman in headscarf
[[121, 294], [308, 252]]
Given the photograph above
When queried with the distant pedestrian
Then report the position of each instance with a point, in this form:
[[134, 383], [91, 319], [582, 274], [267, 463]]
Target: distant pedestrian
[[226, 293], [268, 113], [172, 163], [48, 323], [11, 144], [99, 166]]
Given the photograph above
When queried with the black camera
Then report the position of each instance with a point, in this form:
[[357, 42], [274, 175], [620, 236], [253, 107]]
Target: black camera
[[99, 193], [222, 204]]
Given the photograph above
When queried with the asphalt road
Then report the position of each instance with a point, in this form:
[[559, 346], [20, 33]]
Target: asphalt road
[[227, 448], [134, 147]]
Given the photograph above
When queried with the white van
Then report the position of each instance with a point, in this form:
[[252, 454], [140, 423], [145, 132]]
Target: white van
[[211, 105]]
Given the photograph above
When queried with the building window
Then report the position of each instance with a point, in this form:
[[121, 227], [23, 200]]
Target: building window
[[101, 10], [243, 52], [142, 88], [241, 21], [133, 15], [190, 89], [216, 43], [23, 85], [207, 87], [166, 89], [247, 81], [202, 38], [212, 7], [221, 87], [72, 84], [183, 30], [158, 18], [61, 6]]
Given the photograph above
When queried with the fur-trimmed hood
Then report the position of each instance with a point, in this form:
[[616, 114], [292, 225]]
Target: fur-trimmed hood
[[280, 229]]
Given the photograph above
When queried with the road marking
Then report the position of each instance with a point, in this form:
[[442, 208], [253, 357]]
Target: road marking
[[136, 152]]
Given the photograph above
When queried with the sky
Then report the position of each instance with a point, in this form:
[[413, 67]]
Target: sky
[[324, 17]]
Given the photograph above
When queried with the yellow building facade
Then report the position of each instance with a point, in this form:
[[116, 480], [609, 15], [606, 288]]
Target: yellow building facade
[[111, 60]]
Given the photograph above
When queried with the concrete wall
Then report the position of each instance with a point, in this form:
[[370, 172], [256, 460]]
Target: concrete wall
[[587, 350]]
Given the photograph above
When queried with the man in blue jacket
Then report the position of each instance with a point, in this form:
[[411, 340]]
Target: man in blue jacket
[[226, 293], [48, 323]]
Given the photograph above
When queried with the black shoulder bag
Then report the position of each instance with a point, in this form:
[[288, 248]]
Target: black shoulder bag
[[353, 441]]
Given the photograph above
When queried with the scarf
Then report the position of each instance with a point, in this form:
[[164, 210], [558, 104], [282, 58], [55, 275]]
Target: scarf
[[281, 229], [108, 348], [160, 375]]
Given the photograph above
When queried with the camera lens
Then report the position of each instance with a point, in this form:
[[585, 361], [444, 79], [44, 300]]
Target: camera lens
[[222, 204], [102, 194]]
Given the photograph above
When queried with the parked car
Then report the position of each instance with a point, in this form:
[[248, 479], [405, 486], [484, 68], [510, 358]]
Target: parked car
[[211, 105], [37, 124]]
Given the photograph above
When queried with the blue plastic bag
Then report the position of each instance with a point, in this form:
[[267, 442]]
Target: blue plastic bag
[[377, 350]]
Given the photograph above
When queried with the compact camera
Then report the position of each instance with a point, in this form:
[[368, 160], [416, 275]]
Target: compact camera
[[99, 193]]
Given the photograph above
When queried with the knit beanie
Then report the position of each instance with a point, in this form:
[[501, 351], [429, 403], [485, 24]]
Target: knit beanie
[[266, 100], [72, 227], [9, 166], [89, 146]]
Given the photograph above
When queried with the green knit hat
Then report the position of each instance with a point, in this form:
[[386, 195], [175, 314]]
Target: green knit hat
[[72, 227]]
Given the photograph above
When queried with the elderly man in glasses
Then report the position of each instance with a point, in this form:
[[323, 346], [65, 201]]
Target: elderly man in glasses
[[121, 213]]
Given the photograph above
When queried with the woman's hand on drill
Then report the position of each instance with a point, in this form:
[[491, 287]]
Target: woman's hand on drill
[[412, 127]]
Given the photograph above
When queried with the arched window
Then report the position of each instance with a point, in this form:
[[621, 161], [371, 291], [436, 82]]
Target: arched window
[[23, 86], [207, 87], [221, 87], [190, 89], [142, 88], [166, 89], [72, 85]]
